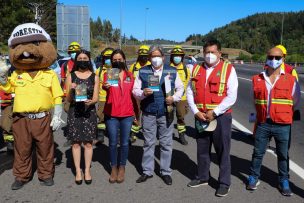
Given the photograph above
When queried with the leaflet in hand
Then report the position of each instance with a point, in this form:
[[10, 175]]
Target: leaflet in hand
[[81, 93], [154, 82], [113, 76]]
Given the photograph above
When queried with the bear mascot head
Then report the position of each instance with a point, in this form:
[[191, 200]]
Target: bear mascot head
[[31, 48]]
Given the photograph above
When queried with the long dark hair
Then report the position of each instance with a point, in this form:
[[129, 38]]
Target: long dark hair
[[83, 51], [119, 51]]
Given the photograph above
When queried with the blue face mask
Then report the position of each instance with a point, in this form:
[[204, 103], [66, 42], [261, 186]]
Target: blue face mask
[[274, 63], [73, 55], [108, 62], [190, 61], [177, 59]]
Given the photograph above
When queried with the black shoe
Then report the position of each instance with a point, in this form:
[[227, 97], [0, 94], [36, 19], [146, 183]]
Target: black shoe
[[78, 182], [47, 182], [197, 183], [10, 146], [18, 184], [222, 191], [182, 139], [167, 179], [143, 178], [68, 143], [88, 182], [133, 137], [100, 136]]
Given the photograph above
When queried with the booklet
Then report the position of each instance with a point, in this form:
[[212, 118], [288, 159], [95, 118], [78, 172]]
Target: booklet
[[81, 93], [154, 82], [113, 76]]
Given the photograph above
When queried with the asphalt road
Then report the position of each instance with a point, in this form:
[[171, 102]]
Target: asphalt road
[[183, 165]]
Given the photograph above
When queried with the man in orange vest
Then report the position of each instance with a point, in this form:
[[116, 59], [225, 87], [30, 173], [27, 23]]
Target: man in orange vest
[[211, 93], [276, 93]]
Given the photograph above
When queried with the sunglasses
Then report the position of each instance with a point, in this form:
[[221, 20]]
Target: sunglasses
[[272, 57], [177, 50], [142, 51]]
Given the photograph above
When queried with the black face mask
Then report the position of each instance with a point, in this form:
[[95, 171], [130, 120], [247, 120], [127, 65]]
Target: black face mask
[[119, 65], [83, 64], [143, 59]]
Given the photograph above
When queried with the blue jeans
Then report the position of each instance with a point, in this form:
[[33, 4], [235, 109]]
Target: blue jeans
[[115, 126], [280, 133]]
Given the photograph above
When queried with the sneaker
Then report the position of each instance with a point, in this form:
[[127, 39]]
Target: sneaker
[[252, 183], [222, 191], [284, 188], [197, 183]]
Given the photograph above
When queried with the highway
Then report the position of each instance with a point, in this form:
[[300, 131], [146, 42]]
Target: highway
[[183, 165]]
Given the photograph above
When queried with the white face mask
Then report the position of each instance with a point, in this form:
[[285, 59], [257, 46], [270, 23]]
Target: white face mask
[[157, 61], [210, 58], [274, 63]]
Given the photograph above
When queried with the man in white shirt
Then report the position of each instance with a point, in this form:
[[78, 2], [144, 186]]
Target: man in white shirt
[[211, 93]]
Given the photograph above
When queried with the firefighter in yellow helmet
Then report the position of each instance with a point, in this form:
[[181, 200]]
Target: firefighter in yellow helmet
[[142, 60], [176, 60], [287, 68], [105, 63]]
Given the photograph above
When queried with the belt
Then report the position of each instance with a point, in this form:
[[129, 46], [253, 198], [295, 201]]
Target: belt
[[33, 115]]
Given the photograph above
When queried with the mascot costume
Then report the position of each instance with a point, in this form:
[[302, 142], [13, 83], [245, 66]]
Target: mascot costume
[[37, 92]]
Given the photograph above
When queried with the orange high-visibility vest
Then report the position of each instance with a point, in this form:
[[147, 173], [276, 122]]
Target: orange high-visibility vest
[[208, 96], [281, 99]]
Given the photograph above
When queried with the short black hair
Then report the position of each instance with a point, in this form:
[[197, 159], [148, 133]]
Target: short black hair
[[212, 42]]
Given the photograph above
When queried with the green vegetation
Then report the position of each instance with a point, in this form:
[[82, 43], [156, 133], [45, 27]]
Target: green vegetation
[[259, 32]]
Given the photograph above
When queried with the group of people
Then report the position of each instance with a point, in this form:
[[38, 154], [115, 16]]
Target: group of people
[[144, 96]]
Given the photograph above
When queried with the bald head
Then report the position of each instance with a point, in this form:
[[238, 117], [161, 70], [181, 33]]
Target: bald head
[[275, 52]]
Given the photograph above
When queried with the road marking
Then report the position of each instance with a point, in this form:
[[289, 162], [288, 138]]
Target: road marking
[[292, 165], [250, 81]]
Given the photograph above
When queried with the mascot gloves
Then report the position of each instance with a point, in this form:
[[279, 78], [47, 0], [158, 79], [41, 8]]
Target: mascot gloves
[[28, 32], [3, 72], [57, 121]]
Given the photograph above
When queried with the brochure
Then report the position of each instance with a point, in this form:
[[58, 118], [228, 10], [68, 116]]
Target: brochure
[[113, 76], [154, 82], [81, 93]]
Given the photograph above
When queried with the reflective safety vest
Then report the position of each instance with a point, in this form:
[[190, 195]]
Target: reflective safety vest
[[184, 75], [5, 98], [289, 69], [66, 69], [102, 92], [134, 68], [208, 95], [281, 99]]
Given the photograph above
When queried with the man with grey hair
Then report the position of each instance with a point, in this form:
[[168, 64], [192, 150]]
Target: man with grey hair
[[151, 85]]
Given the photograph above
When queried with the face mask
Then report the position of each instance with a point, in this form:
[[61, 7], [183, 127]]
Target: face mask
[[73, 55], [190, 61], [157, 61], [143, 59], [177, 59], [83, 64], [108, 62], [210, 58], [274, 63], [118, 65]]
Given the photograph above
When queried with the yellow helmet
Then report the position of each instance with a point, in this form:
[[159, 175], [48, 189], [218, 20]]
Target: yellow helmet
[[74, 47], [108, 52], [283, 49], [178, 50], [143, 50]]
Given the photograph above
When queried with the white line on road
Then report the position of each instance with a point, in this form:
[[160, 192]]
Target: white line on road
[[292, 165], [250, 80]]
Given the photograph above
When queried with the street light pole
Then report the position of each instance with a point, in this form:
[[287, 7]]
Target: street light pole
[[120, 27], [282, 28], [146, 23]]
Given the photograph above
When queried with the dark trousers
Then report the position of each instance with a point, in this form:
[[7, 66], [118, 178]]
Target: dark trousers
[[221, 139]]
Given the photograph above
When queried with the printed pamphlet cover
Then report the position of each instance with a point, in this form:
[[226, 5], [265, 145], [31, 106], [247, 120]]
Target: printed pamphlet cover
[[113, 76], [81, 93], [154, 82]]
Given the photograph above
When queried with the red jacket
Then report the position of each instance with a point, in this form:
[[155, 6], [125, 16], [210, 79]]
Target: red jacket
[[209, 96], [281, 99], [6, 98], [120, 101]]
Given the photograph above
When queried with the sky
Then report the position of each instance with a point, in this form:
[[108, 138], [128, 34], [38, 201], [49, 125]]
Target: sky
[[176, 20]]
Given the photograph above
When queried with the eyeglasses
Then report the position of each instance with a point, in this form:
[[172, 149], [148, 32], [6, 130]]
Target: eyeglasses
[[272, 57]]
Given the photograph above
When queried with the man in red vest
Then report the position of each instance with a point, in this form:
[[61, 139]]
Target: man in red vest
[[211, 93], [276, 93]]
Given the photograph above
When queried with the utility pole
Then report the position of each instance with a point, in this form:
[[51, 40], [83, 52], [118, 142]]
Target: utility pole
[[120, 27], [282, 28], [146, 23], [37, 10]]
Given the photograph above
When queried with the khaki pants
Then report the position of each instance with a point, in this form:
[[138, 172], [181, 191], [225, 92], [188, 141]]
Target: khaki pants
[[6, 119], [100, 115], [26, 131], [136, 126], [181, 111]]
